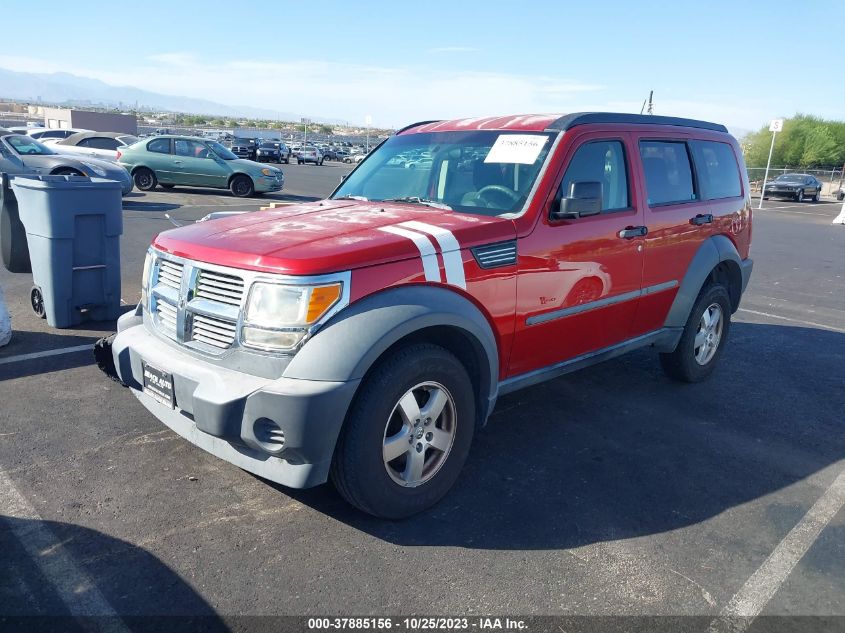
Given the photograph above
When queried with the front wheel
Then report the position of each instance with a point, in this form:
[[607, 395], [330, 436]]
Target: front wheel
[[242, 186], [407, 434], [703, 338], [144, 179], [818, 196], [800, 196]]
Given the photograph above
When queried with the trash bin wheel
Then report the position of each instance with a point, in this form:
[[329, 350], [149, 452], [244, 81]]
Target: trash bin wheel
[[36, 300]]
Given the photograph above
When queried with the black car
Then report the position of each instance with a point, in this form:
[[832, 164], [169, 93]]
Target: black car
[[245, 148], [330, 153], [273, 152], [795, 187]]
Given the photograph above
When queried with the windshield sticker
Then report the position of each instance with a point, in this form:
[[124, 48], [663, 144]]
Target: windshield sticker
[[522, 149]]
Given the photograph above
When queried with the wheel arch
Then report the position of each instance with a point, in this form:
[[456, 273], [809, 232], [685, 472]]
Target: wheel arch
[[716, 260], [235, 174], [351, 344]]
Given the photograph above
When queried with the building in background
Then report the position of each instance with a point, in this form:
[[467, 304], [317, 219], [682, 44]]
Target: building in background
[[62, 118]]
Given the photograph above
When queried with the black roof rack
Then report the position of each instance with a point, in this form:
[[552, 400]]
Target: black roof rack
[[568, 121], [417, 124]]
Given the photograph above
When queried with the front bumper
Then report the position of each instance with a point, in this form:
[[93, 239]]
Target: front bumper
[[265, 184], [219, 409], [780, 194]]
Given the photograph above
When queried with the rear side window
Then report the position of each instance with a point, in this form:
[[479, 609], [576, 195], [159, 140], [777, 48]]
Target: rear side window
[[604, 162], [100, 142], [718, 172], [668, 174], [159, 145]]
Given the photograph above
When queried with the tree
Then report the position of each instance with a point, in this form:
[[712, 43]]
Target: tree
[[806, 141], [326, 129]]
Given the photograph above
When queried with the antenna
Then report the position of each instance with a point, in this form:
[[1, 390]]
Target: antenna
[[650, 103]]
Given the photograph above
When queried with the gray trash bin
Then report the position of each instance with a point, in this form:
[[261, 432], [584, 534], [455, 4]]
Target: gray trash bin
[[73, 226]]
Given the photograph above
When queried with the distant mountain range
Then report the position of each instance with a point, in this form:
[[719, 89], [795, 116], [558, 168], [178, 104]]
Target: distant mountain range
[[65, 88]]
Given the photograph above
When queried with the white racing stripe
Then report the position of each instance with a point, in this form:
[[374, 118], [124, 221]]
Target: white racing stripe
[[449, 248], [75, 587], [427, 253]]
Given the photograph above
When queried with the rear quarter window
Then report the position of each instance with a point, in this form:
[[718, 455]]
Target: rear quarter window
[[717, 169], [159, 146], [668, 173]]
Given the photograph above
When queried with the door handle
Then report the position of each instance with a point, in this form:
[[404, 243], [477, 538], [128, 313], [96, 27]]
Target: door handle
[[702, 218], [630, 232], [177, 162]]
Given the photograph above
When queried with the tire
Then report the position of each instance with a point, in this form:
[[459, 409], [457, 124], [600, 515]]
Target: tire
[[840, 196], [242, 186], [166, 186], [800, 196], [392, 490], [691, 363], [818, 196], [320, 164], [145, 179], [36, 302], [298, 162]]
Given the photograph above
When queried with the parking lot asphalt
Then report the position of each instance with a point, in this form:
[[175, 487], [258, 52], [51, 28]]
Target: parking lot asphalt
[[612, 491]]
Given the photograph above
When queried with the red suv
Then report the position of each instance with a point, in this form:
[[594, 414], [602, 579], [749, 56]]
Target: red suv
[[365, 338]]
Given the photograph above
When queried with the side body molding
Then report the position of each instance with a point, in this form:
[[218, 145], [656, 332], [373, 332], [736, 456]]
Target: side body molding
[[352, 341], [710, 254]]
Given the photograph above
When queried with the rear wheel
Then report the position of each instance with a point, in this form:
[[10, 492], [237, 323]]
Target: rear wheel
[[242, 186], [407, 434], [703, 338], [145, 179]]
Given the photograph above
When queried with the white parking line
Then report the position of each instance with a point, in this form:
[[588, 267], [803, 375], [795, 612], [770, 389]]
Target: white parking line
[[783, 318], [72, 584], [52, 352], [750, 600]]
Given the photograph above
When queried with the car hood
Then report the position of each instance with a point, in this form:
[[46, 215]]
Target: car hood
[[326, 236]]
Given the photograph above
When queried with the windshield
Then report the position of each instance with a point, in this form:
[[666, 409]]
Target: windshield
[[221, 151], [242, 141], [480, 172], [28, 146], [790, 178]]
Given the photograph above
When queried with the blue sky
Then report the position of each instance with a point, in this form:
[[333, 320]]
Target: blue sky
[[740, 63]]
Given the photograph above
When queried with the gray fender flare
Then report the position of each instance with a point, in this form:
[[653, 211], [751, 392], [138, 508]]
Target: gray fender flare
[[710, 254], [346, 347]]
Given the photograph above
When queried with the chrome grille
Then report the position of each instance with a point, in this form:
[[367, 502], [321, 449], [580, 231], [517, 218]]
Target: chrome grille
[[166, 318], [170, 273], [213, 331], [220, 287]]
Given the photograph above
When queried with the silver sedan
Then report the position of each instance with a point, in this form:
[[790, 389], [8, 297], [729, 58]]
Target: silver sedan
[[20, 154]]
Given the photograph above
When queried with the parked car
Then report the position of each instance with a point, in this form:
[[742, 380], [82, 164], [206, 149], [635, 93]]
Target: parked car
[[308, 154], [841, 194], [795, 187], [22, 154], [42, 134], [193, 161], [273, 152], [329, 153], [98, 144], [366, 338], [245, 148]]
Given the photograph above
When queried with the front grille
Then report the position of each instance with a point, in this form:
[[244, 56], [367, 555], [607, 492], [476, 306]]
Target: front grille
[[166, 318], [205, 315], [212, 331], [170, 273], [228, 289]]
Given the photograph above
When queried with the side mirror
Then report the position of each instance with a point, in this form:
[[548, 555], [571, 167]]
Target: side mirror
[[342, 178], [584, 199]]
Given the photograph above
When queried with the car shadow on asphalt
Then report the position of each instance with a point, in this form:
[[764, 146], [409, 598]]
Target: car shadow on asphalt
[[619, 451], [140, 588], [138, 205]]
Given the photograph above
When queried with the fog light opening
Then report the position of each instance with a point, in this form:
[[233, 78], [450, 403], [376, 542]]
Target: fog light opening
[[269, 435]]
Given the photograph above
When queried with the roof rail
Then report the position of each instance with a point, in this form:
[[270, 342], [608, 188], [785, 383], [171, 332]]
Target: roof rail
[[568, 121], [417, 124]]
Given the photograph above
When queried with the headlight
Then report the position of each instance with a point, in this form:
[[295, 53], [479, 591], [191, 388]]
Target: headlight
[[267, 172], [97, 170], [279, 316]]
